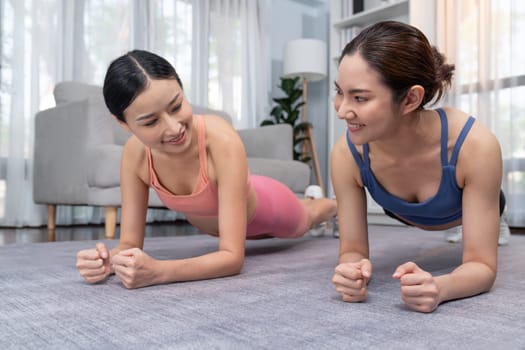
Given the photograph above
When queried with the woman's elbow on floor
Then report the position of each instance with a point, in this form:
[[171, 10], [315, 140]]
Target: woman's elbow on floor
[[235, 266]]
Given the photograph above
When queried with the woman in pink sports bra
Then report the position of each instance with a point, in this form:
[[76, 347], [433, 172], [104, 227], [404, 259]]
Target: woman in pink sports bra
[[197, 166]]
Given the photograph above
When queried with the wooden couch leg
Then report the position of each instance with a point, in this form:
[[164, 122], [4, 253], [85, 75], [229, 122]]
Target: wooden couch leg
[[51, 214], [51, 222], [110, 222]]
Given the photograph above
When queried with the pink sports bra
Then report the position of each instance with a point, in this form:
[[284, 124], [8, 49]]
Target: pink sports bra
[[204, 199]]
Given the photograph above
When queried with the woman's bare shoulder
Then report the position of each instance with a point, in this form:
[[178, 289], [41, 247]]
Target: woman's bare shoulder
[[134, 149], [455, 117], [343, 164], [480, 151], [219, 130], [134, 157], [479, 132]]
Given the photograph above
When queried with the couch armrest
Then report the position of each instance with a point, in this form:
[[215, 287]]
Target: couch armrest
[[272, 141], [59, 168]]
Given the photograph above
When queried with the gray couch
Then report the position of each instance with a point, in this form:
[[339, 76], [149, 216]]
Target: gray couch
[[78, 148]]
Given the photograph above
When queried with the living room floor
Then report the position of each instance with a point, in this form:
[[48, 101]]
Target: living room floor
[[96, 232]]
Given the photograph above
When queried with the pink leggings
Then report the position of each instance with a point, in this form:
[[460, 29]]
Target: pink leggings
[[278, 213]]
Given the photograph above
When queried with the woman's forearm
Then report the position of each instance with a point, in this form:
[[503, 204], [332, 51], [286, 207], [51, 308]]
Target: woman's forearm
[[213, 265], [468, 279], [119, 247], [353, 256]]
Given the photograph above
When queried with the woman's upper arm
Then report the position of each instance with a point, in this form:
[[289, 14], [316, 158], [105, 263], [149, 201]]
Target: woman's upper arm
[[134, 194], [231, 167], [481, 165], [351, 201]]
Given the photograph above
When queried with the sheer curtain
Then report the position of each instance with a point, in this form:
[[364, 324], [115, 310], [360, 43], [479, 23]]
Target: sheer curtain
[[243, 77], [484, 38], [218, 48]]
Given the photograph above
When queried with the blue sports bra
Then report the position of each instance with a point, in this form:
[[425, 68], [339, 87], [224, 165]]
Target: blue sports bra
[[444, 207]]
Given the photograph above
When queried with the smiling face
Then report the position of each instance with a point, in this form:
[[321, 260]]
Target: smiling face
[[363, 101], [161, 117]]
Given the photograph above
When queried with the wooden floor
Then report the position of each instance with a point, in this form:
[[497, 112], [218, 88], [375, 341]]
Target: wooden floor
[[87, 232], [96, 232]]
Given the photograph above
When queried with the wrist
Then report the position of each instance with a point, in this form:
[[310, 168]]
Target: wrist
[[159, 271], [441, 289]]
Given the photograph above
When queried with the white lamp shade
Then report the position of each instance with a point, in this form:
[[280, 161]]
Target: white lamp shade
[[306, 58]]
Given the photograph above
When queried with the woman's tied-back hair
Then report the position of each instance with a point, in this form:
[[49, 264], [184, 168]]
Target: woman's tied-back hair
[[403, 57], [129, 75]]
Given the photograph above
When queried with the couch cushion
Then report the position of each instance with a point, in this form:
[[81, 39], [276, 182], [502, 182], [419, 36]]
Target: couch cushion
[[273, 141], [103, 128]]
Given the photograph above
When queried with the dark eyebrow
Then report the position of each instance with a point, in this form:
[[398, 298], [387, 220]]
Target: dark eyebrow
[[353, 91], [152, 114], [358, 91]]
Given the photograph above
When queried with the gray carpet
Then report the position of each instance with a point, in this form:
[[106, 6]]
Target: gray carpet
[[284, 299]]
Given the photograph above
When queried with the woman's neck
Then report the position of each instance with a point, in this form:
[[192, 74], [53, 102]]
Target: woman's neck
[[413, 132]]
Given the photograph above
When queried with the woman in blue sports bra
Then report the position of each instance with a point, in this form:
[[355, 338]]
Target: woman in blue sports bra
[[431, 168]]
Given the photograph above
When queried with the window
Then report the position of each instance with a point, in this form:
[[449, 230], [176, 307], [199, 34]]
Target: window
[[490, 82], [61, 40]]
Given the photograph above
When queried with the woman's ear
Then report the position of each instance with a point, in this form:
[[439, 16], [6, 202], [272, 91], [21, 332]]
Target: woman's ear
[[413, 99]]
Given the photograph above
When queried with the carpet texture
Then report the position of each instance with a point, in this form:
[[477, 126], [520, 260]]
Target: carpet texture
[[283, 299]]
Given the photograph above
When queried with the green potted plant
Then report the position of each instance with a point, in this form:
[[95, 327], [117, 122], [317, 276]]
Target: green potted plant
[[287, 111]]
